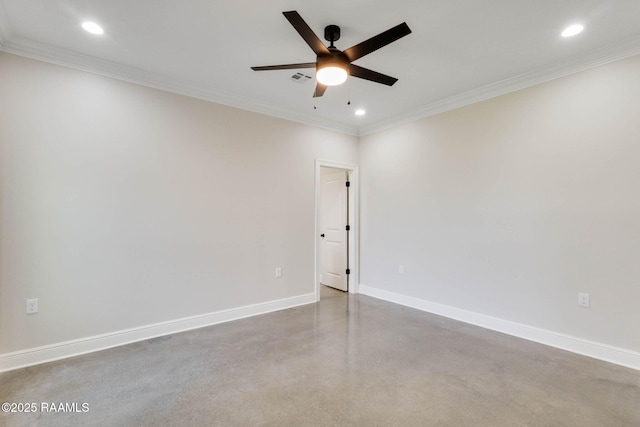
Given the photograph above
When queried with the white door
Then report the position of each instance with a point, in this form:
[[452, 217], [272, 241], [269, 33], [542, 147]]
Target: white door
[[333, 229]]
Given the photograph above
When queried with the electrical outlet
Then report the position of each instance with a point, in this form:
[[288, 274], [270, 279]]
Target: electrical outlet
[[32, 306], [278, 272], [583, 300], [401, 269]]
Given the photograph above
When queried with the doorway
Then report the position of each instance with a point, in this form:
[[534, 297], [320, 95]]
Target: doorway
[[336, 228]]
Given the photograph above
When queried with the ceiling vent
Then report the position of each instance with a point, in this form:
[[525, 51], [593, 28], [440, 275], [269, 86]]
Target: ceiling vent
[[300, 78]]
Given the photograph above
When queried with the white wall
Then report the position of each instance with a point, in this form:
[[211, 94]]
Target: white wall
[[510, 207], [123, 206]]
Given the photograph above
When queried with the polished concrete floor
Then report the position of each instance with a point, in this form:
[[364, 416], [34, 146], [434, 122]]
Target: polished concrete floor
[[346, 361]]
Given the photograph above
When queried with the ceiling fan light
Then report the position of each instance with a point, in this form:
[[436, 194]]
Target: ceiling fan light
[[331, 75]]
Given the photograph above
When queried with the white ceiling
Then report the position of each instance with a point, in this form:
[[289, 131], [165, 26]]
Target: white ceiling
[[460, 51]]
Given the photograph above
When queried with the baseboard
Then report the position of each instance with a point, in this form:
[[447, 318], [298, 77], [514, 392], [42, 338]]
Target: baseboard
[[619, 356], [49, 353]]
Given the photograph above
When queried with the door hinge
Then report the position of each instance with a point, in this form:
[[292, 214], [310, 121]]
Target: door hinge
[[348, 271], [348, 184], [348, 227]]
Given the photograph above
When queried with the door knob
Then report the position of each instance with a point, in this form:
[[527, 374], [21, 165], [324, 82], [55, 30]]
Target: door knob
[[322, 235]]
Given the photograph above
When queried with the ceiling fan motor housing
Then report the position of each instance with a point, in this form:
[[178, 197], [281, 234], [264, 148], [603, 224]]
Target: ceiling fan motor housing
[[337, 59]]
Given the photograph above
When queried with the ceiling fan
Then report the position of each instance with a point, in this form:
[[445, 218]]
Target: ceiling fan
[[332, 65]]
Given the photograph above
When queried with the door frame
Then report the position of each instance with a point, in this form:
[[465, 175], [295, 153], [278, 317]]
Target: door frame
[[354, 215]]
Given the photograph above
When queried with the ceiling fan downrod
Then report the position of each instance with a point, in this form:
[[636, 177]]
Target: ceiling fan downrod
[[332, 34]]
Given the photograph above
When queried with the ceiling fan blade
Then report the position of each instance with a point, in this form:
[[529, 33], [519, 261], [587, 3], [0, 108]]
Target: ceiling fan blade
[[285, 66], [376, 42], [319, 91], [374, 76], [307, 33]]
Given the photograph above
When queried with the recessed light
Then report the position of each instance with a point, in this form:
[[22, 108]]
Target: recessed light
[[572, 30], [92, 28], [360, 112]]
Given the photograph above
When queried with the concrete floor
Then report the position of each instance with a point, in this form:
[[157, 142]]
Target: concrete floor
[[346, 361]]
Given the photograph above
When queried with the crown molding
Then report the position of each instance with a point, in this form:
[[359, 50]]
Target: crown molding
[[607, 54], [82, 62], [43, 52]]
